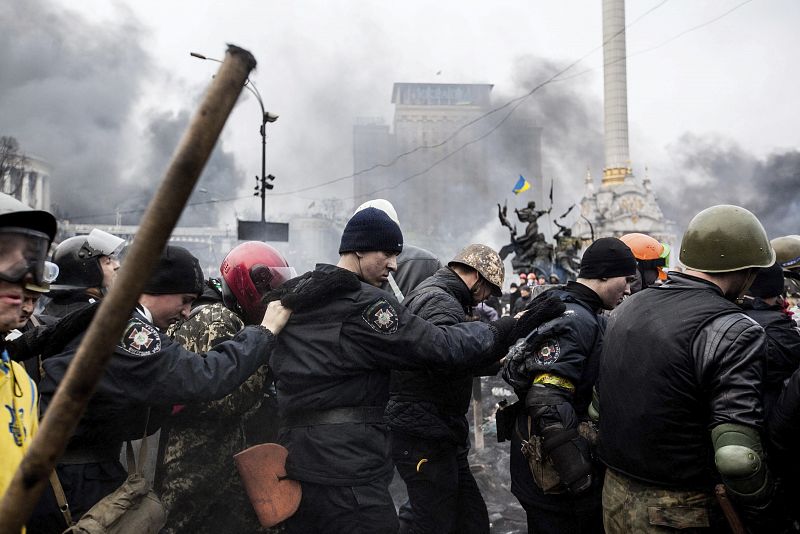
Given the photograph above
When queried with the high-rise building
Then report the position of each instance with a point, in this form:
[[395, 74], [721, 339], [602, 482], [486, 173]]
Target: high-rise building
[[443, 194], [623, 203]]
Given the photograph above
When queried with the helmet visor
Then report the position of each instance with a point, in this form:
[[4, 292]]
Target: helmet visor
[[267, 278], [102, 243], [23, 251]]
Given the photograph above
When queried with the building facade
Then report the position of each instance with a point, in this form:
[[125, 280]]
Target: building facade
[[437, 164]]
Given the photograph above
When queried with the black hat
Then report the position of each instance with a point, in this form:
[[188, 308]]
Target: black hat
[[608, 257], [370, 230], [178, 271], [768, 283]]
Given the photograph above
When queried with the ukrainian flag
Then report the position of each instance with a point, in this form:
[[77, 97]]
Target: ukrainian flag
[[522, 185]]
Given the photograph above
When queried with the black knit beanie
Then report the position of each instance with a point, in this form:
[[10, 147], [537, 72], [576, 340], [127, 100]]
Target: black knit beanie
[[177, 271], [370, 230], [608, 257], [768, 283]]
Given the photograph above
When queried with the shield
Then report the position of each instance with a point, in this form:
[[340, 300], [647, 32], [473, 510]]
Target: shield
[[262, 469]]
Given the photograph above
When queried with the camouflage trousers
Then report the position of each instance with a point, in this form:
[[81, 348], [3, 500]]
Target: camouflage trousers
[[633, 507], [201, 488]]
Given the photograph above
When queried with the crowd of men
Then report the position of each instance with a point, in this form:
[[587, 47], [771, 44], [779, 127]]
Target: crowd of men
[[649, 401]]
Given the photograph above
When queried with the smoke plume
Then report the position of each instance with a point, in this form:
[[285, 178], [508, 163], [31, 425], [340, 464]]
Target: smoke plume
[[709, 170], [70, 89]]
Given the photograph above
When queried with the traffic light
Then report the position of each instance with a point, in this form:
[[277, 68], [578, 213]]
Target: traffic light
[[267, 184]]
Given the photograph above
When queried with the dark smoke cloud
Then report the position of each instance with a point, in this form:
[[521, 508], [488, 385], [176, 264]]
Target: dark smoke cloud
[[570, 119], [68, 93], [711, 170], [218, 181]]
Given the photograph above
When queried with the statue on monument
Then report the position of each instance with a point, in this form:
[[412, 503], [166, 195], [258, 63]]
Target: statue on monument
[[567, 248], [532, 252]]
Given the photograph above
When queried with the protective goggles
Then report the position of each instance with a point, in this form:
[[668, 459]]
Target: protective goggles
[[23, 251]]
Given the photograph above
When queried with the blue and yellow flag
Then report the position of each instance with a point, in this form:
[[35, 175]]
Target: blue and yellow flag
[[522, 185]]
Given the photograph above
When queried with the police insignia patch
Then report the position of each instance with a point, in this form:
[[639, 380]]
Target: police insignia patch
[[381, 317], [140, 339], [548, 352]]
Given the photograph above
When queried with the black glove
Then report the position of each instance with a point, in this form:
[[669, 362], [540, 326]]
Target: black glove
[[50, 340], [539, 311], [570, 454], [307, 291], [504, 327], [554, 420]]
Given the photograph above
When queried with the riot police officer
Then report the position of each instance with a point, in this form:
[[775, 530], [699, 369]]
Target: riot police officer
[[87, 267], [332, 366], [553, 371]]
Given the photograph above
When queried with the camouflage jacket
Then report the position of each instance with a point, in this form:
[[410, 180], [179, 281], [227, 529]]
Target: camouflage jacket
[[204, 329], [199, 477]]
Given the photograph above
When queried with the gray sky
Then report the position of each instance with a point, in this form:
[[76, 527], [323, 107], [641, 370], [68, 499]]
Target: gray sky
[[102, 88]]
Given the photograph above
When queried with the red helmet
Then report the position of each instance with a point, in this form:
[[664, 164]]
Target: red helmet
[[248, 272], [523, 276]]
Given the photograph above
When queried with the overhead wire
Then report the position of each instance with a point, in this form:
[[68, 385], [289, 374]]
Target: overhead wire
[[466, 125], [514, 103]]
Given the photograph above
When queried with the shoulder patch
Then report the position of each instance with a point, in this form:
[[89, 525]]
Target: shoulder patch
[[381, 317], [140, 339], [548, 352]]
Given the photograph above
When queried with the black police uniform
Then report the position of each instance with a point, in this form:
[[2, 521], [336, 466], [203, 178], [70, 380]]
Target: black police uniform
[[427, 415], [147, 371], [62, 303], [332, 368], [569, 347]]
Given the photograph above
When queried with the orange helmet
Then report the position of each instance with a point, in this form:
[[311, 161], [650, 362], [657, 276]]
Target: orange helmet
[[648, 251]]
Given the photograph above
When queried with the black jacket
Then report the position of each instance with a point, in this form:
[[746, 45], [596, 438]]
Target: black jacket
[[568, 346], [434, 405], [339, 356], [784, 420], [62, 303], [148, 369], [783, 346], [414, 265], [678, 360]]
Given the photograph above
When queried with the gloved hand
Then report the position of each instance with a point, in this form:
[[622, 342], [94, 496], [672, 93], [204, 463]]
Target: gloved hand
[[307, 291], [50, 340], [571, 458], [554, 419], [539, 311], [503, 327]]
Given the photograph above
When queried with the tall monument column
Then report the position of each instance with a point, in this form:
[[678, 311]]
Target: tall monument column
[[615, 88]]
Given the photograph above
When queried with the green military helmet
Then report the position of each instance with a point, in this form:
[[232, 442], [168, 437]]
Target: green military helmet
[[787, 251], [725, 238], [487, 262]]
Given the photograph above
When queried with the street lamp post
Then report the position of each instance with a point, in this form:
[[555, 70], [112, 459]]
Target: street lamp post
[[266, 117]]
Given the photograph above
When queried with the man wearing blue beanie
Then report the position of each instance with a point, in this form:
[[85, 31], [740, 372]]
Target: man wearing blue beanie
[[332, 366], [370, 244]]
